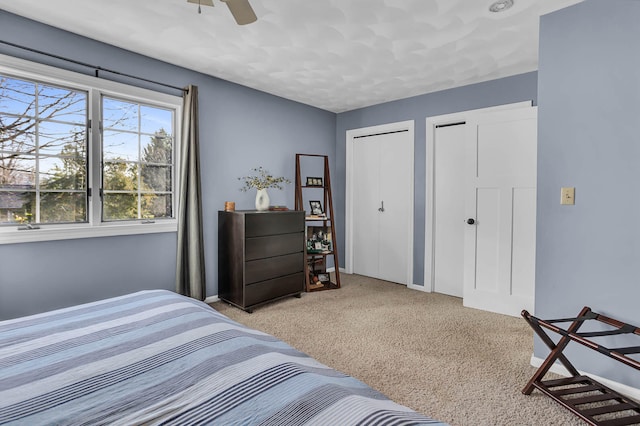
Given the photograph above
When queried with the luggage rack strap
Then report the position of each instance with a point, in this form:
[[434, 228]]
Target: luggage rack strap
[[625, 329], [588, 316], [631, 350]]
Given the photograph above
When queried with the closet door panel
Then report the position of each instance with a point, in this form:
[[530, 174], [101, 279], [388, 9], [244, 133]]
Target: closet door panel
[[366, 239]]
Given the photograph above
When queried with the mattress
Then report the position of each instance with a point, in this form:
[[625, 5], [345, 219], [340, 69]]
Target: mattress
[[155, 357]]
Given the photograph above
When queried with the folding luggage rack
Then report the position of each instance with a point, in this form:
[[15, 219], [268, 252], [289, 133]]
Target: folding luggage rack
[[583, 396]]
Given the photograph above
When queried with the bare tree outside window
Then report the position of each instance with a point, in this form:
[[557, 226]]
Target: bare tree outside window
[[43, 153], [44, 148]]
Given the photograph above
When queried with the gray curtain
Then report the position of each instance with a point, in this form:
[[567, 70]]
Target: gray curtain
[[190, 276]]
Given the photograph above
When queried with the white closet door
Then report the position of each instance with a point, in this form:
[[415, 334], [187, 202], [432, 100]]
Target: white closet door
[[366, 184], [383, 190], [448, 222], [396, 191]]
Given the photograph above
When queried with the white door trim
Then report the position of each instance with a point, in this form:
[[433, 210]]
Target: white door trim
[[431, 123], [408, 126]]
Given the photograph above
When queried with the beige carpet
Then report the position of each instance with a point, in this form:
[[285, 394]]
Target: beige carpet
[[426, 351]]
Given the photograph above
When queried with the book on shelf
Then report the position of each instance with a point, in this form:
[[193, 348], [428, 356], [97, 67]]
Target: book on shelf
[[316, 217]]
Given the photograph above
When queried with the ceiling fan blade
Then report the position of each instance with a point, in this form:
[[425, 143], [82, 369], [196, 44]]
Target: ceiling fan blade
[[202, 2], [241, 11]]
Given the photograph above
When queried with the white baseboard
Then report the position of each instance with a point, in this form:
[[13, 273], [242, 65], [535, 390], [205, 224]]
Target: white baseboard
[[211, 299], [418, 287], [411, 286], [621, 388]]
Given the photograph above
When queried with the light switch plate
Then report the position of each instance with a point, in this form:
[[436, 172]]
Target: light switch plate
[[567, 196]]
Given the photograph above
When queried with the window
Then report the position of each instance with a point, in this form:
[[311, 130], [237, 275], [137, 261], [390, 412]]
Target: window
[[81, 156], [43, 153], [137, 150]]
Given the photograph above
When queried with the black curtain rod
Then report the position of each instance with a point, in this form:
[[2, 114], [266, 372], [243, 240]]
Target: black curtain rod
[[95, 67]]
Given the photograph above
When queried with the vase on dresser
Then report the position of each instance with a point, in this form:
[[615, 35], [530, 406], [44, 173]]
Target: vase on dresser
[[262, 200]]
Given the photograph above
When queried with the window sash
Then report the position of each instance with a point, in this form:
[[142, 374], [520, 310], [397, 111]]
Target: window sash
[[43, 111], [133, 130]]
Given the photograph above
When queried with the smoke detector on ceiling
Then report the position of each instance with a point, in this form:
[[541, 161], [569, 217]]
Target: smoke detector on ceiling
[[500, 5]]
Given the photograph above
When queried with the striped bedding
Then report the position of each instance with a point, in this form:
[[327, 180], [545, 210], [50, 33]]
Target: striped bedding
[[155, 357]]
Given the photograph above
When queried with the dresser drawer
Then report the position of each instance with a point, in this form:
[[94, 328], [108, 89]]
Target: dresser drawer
[[273, 245], [272, 267], [273, 223], [271, 289]]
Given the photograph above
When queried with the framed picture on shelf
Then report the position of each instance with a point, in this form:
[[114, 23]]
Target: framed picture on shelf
[[319, 239], [314, 181], [316, 208]]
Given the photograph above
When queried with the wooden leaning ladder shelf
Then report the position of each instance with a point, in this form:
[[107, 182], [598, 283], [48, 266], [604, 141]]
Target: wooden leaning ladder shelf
[[316, 262], [583, 396]]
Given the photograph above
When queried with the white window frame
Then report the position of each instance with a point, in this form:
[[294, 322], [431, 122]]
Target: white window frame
[[96, 87]]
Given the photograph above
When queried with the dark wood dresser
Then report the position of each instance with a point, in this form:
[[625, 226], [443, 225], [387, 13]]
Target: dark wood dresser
[[260, 256]]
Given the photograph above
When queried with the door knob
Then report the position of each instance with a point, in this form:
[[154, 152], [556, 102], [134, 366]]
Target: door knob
[[471, 221]]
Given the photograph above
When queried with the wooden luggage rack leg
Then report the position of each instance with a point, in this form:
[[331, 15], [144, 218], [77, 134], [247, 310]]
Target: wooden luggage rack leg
[[586, 398]]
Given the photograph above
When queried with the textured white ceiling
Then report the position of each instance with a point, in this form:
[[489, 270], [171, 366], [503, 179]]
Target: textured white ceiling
[[337, 55]]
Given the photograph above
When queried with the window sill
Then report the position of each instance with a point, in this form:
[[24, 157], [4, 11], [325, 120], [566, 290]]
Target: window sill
[[54, 233]]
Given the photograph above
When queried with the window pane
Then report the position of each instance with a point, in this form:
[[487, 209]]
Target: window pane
[[17, 96], [43, 145], [121, 115], [156, 178], [17, 134], [120, 206], [137, 161], [120, 146], [120, 176], [62, 104], [157, 149], [17, 171], [156, 206], [17, 207], [63, 173], [61, 139], [153, 119], [63, 207]]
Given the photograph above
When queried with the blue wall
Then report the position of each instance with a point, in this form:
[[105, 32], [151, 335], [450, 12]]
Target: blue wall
[[240, 128], [518, 88], [589, 137]]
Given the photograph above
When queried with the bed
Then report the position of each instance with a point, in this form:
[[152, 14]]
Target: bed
[[155, 357]]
